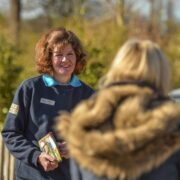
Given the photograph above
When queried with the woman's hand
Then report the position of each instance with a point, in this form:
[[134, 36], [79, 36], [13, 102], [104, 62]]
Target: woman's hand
[[47, 162], [64, 152]]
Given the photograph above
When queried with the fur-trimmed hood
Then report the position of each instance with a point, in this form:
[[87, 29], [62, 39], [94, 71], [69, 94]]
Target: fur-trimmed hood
[[122, 131]]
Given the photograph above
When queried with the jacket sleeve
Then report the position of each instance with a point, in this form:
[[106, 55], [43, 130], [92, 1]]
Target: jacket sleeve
[[178, 163], [15, 127], [79, 173], [75, 171]]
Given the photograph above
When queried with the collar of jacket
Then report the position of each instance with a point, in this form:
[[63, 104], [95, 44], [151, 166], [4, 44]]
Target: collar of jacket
[[49, 81], [122, 131]]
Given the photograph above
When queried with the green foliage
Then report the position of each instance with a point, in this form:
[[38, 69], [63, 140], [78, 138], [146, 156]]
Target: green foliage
[[27, 56], [2, 21], [95, 68], [172, 49], [9, 73]]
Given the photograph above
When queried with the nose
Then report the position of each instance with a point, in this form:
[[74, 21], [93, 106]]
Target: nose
[[64, 58]]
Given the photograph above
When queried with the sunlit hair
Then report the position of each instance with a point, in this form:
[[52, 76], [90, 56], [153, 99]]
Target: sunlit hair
[[59, 37], [140, 60]]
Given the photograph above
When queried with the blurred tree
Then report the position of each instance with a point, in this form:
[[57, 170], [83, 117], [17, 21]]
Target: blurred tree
[[77, 6], [9, 73], [154, 11], [120, 12], [55, 9], [15, 19], [170, 10], [63, 8], [154, 27], [170, 16]]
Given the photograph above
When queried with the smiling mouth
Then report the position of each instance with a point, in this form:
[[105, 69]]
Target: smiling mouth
[[66, 67]]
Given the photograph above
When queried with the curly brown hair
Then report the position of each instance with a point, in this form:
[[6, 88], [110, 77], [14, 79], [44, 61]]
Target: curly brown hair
[[58, 37]]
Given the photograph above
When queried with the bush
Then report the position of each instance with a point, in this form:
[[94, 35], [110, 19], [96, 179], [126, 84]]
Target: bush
[[9, 73]]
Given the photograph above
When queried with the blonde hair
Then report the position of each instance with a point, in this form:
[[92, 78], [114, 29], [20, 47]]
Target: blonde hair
[[140, 60]]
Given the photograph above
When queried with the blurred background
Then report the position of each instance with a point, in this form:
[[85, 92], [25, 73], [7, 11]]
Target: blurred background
[[102, 25]]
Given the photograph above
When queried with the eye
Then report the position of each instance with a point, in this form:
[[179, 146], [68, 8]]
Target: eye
[[70, 54], [58, 55]]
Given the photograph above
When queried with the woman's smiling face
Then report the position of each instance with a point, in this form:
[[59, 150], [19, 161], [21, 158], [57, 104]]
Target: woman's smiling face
[[64, 61]]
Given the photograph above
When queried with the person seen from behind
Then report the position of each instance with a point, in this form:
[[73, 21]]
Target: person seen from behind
[[129, 129]]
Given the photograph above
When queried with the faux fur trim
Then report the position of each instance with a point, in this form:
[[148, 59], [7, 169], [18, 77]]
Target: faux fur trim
[[123, 131]]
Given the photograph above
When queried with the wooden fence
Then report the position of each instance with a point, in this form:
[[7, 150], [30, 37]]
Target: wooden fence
[[6, 163]]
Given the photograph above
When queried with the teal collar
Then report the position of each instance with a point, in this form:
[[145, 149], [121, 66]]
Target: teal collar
[[49, 81]]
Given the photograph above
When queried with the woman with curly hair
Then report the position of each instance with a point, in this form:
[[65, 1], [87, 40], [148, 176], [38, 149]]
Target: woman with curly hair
[[59, 58], [129, 129]]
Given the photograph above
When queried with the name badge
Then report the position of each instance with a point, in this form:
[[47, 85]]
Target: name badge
[[47, 101]]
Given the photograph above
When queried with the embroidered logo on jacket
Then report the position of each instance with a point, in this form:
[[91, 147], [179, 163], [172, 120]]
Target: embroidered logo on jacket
[[14, 109], [47, 101]]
